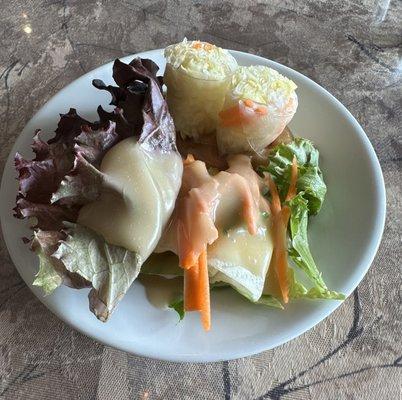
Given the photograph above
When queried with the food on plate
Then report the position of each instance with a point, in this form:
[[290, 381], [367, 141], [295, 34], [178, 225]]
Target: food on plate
[[101, 199], [228, 206], [197, 76], [259, 103]]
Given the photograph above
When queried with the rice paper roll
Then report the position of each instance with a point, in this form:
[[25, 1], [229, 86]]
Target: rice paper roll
[[259, 103], [197, 76]]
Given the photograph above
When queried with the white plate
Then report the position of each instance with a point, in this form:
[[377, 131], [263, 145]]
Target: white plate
[[344, 237]]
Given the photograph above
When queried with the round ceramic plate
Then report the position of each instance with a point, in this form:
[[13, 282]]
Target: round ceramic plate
[[344, 237]]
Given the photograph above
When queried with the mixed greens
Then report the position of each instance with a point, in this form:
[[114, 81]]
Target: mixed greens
[[64, 176]]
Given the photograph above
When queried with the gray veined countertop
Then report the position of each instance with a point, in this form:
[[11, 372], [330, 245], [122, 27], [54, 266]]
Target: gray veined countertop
[[353, 49]]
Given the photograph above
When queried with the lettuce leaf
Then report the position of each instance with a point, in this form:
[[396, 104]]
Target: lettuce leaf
[[269, 301], [52, 273], [310, 179], [178, 306], [44, 244], [299, 250], [38, 179], [298, 291], [64, 175], [110, 269], [311, 191]]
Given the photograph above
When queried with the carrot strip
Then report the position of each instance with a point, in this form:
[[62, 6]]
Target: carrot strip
[[261, 110], [275, 200], [196, 290], [203, 291], [197, 45], [248, 103], [189, 260], [281, 254], [189, 159], [191, 278], [280, 219], [187, 256], [293, 181], [248, 209]]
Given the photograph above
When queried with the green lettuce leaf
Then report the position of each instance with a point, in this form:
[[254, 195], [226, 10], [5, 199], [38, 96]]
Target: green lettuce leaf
[[43, 245], [310, 180], [269, 301], [52, 273], [178, 306], [110, 269], [299, 251], [298, 291]]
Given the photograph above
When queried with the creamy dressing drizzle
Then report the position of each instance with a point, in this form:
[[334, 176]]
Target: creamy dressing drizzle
[[161, 291], [137, 198]]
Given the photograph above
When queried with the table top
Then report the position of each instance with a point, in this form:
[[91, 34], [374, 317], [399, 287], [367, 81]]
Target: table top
[[353, 49]]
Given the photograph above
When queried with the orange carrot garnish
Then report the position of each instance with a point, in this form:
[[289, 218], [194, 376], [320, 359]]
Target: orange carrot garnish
[[191, 278], [197, 45], [275, 200], [280, 256], [261, 110], [203, 291], [293, 181], [280, 219], [189, 159], [196, 290], [248, 103]]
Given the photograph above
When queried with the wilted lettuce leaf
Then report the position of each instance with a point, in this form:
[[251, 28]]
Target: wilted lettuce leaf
[[110, 269], [299, 249], [52, 273], [44, 244], [310, 180]]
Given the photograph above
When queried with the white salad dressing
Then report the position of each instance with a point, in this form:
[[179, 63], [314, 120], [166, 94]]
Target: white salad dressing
[[242, 259], [137, 198], [161, 291]]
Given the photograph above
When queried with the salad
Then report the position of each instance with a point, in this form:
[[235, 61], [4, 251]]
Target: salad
[[193, 178]]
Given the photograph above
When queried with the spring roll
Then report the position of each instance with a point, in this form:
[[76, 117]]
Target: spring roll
[[259, 103], [197, 76]]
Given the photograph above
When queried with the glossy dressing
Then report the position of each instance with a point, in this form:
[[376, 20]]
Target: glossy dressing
[[137, 199]]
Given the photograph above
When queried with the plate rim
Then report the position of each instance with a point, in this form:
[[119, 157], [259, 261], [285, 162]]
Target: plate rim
[[369, 254]]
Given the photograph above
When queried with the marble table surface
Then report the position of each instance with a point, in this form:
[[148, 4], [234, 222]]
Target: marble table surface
[[351, 48]]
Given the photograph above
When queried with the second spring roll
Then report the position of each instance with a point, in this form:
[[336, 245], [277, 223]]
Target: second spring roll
[[259, 103]]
